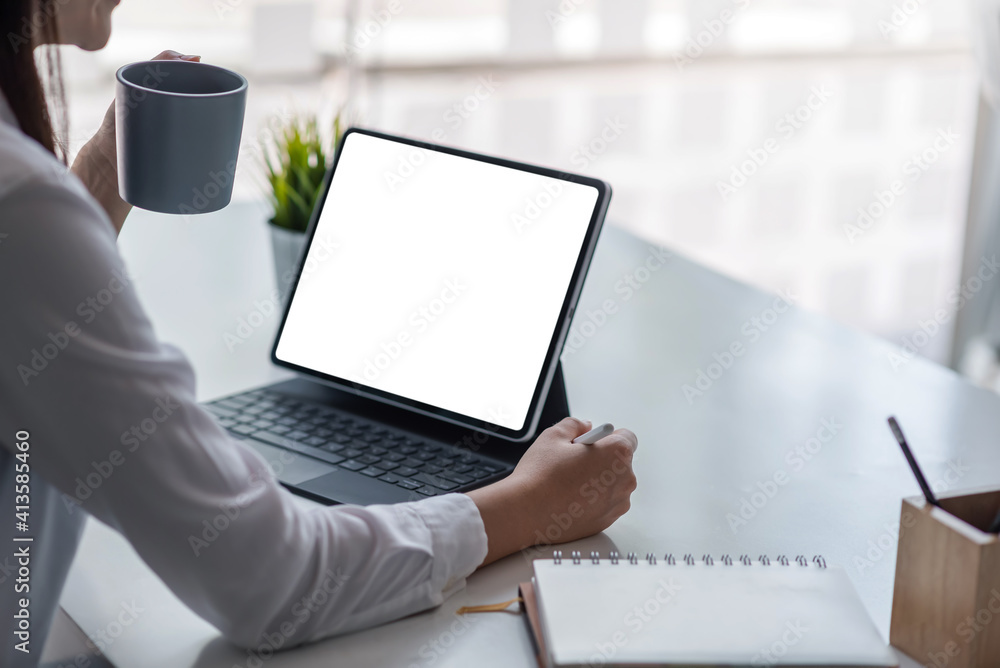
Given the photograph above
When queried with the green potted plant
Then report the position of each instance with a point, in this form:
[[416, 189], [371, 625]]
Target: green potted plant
[[294, 167]]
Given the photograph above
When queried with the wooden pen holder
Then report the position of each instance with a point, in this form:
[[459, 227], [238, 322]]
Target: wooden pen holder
[[946, 600]]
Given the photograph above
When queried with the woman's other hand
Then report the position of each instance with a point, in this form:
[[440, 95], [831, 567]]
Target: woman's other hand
[[559, 491]]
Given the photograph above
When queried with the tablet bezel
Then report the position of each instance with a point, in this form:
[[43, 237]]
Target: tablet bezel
[[556, 341]]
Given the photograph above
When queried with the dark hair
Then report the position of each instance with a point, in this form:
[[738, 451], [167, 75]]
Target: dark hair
[[25, 24]]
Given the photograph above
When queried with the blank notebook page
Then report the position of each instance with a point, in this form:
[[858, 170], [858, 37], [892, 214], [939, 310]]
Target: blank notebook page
[[643, 614]]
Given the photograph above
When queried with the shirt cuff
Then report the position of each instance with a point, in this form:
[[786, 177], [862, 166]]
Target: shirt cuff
[[458, 538]]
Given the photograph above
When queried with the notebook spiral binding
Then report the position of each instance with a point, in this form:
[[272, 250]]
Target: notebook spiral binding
[[632, 558]]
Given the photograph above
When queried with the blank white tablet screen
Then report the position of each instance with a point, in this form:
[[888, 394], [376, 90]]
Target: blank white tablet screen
[[437, 278]]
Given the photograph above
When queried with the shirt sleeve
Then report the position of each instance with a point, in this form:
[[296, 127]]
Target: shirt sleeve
[[116, 428]]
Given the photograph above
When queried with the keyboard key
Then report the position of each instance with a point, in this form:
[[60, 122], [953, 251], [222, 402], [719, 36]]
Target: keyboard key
[[413, 442], [342, 438], [368, 459], [393, 457], [389, 478], [351, 452], [227, 423], [315, 441], [323, 432], [270, 415], [288, 421], [460, 468], [405, 471], [352, 465], [376, 450], [295, 446], [319, 421], [410, 461], [244, 418], [406, 449], [409, 484], [492, 468], [477, 473], [221, 411], [442, 462], [262, 424], [231, 404], [436, 481], [297, 435], [424, 455], [372, 471], [430, 447], [430, 468], [457, 477], [244, 429], [428, 491], [332, 447], [254, 410], [279, 429], [388, 466]]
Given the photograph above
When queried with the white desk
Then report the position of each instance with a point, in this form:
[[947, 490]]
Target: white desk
[[695, 461]]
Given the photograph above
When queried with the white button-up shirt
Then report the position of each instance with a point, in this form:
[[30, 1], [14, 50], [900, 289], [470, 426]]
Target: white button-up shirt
[[80, 365]]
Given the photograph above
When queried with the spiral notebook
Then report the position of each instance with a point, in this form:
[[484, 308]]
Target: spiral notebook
[[627, 611]]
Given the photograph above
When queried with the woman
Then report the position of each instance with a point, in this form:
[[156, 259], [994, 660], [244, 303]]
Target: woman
[[107, 371]]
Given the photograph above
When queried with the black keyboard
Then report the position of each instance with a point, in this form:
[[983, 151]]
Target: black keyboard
[[352, 443]]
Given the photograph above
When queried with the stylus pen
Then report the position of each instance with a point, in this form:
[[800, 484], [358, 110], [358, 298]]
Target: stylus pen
[[595, 434], [911, 460]]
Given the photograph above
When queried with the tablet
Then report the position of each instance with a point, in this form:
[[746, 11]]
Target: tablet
[[441, 281]]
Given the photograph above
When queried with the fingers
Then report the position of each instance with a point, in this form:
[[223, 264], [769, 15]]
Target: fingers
[[176, 55], [571, 427], [621, 438]]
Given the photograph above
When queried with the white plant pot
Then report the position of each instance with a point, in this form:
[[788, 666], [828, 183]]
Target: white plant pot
[[287, 247]]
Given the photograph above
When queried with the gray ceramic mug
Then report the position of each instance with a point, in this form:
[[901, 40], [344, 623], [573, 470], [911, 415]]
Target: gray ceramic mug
[[178, 125]]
